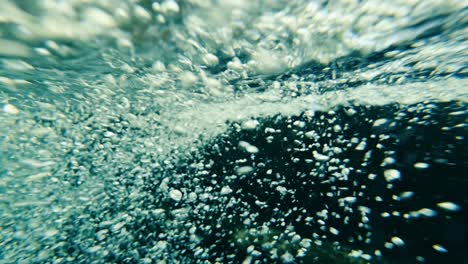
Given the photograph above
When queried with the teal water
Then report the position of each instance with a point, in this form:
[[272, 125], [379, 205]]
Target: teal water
[[97, 96]]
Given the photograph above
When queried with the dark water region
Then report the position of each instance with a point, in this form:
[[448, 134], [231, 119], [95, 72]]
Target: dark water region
[[345, 197], [270, 131]]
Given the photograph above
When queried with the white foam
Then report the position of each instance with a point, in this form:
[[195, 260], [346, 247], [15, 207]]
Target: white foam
[[421, 165], [225, 190], [392, 175], [244, 170], [210, 60], [397, 241], [99, 17], [439, 248], [449, 206], [10, 109], [320, 157], [380, 122], [175, 195], [334, 231], [14, 48]]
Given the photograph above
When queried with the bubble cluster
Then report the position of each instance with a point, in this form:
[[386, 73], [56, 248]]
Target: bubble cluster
[[188, 131]]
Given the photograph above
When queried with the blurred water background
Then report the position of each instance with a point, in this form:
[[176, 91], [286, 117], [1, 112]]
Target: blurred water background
[[88, 87]]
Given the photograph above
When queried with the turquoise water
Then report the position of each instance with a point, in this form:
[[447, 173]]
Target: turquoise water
[[101, 101]]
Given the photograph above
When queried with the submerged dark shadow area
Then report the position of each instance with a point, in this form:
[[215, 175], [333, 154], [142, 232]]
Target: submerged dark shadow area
[[357, 176], [356, 184]]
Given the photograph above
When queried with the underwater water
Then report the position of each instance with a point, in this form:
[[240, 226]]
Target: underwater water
[[233, 131]]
